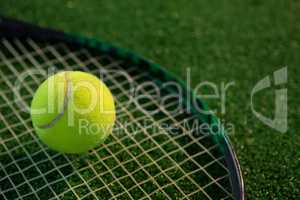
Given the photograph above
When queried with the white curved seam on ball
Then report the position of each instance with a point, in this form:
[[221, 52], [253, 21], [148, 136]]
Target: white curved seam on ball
[[68, 92]]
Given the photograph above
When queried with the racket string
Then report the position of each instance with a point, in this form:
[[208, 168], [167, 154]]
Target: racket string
[[174, 150]]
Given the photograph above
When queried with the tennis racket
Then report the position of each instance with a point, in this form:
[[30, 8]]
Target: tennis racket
[[153, 153]]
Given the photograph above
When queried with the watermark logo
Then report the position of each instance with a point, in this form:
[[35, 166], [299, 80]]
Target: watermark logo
[[144, 97], [279, 122]]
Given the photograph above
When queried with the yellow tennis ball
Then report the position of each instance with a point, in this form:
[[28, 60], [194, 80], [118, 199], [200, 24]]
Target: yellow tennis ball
[[73, 111]]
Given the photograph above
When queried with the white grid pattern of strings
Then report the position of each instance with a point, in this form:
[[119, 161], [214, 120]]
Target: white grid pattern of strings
[[38, 57]]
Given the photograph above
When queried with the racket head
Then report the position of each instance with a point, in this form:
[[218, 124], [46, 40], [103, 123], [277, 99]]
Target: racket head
[[205, 164]]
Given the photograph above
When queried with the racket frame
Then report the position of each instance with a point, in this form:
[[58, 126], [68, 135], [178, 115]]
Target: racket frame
[[11, 28]]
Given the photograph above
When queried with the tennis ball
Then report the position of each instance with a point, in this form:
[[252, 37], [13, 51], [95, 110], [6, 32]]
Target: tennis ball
[[73, 112]]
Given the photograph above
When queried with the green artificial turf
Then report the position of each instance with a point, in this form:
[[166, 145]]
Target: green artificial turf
[[220, 41]]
